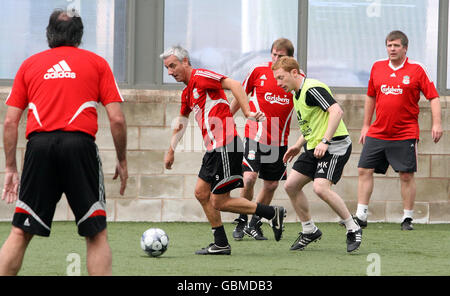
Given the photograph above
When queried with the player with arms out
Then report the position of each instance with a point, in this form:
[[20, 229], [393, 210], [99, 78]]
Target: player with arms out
[[393, 93], [61, 87], [265, 142], [327, 147], [221, 169]]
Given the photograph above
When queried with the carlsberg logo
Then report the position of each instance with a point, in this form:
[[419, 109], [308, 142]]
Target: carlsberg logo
[[390, 90], [272, 98]]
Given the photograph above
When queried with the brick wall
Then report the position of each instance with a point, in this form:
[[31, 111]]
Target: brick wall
[[157, 194]]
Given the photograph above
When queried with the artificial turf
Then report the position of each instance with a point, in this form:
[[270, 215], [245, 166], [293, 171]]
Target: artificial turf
[[423, 251]]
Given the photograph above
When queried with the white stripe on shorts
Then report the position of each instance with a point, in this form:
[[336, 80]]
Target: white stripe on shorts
[[332, 166]]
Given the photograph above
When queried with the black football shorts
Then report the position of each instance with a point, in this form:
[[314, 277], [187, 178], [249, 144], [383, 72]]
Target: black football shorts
[[265, 160], [330, 166], [222, 167], [378, 154], [55, 163]]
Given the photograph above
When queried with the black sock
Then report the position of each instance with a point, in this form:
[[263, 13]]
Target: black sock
[[243, 217], [220, 237], [254, 220], [264, 211]]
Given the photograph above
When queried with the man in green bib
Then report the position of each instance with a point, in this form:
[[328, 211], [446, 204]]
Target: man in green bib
[[327, 148]]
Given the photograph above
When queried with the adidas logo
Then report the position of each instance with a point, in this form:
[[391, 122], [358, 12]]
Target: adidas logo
[[27, 222], [60, 70], [393, 75]]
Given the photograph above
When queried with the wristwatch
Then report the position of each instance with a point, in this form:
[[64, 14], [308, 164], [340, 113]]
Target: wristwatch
[[325, 141]]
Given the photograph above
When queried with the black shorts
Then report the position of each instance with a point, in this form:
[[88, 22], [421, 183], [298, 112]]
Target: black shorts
[[329, 167], [222, 167], [55, 163], [379, 154], [265, 160]]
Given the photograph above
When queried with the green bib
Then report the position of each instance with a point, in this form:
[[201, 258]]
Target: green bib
[[313, 120]]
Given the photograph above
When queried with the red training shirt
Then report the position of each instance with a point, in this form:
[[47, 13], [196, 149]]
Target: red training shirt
[[61, 88], [273, 101], [205, 96], [397, 92]]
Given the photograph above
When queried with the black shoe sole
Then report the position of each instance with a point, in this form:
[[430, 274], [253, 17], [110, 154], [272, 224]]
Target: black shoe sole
[[282, 226]]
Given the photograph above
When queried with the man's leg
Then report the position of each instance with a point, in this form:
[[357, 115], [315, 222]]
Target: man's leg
[[203, 194], [98, 254], [365, 188], [220, 246], [246, 192], [249, 183], [408, 192], [294, 188], [13, 251], [223, 202], [266, 194], [322, 187], [264, 197]]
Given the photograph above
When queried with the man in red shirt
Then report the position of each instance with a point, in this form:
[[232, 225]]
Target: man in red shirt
[[61, 87], [221, 169], [394, 92], [265, 142]]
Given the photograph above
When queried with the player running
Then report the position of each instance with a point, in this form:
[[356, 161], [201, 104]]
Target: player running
[[221, 169], [327, 149], [265, 142]]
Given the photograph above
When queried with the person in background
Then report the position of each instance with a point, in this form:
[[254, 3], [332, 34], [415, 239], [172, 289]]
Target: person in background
[[62, 88], [393, 93]]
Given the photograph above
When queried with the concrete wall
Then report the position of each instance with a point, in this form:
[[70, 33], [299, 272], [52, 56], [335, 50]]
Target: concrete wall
[[157, 194]]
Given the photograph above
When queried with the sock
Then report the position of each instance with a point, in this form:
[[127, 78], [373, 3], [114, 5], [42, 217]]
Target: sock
[[350, 224], [220, 237], [264, 211], [361, 212], [243, 217], [254, 220], [407, 214], [308, 227]]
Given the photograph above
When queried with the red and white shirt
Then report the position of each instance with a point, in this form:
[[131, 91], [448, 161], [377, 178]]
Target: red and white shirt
[[205, 96], [397, 92], [61, 88], [273, 101]]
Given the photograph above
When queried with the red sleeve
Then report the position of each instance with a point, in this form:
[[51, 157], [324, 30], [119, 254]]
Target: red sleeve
[[249, 82], [185, 110], [108, 89], [426, 85], [208, 79], [371, 92], [18, 96]]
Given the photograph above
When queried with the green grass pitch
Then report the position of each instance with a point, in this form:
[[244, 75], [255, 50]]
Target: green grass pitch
[[423, 251]]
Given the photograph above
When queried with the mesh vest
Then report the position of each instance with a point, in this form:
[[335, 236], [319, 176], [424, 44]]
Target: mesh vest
[[313, 120]]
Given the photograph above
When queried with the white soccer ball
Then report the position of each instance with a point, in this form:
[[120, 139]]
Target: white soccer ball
[[154, 242]]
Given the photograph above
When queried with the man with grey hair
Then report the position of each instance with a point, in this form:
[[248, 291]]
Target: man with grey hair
[[221, 169]]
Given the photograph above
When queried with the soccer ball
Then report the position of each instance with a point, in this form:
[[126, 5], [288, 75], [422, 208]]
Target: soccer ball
[[154, 242]]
